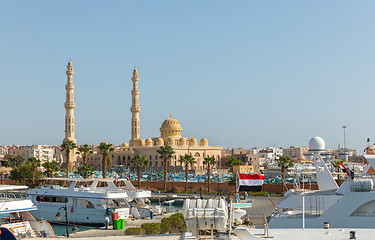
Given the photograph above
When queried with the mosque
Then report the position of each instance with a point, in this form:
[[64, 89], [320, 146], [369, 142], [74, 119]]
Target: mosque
[[170, 134]]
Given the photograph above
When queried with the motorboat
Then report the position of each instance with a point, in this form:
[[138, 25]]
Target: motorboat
[[15, 220], [352, 205], [84, 201], [140, 197]]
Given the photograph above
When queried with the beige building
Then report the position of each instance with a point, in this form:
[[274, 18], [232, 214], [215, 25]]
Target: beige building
[[170, 134], [296, 153]]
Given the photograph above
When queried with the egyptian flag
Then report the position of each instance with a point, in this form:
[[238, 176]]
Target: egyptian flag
[[349, 172], [252, 183]]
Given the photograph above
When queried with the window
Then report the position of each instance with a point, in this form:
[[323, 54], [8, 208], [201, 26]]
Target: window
[[52, 199], [86, 204]]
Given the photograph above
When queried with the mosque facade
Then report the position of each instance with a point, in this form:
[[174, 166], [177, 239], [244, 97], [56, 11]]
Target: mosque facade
[[170, 135]]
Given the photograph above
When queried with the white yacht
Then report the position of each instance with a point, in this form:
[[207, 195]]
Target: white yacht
[[15, 220], [88, 201], [140, 198], [352, 205]]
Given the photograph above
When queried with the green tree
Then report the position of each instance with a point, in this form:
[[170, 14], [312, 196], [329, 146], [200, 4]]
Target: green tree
[[139, 161], [68, 146], [34, 164], [166, 153], [105, 149], [186, 160], [85, 151], [233, 162], [284, 163], [85, 170], [51, 168], [20, 173], [336, 165], [14, 161], [209, 161]]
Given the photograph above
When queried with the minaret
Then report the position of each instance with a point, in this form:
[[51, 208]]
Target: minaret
[[135, 109], [69, 116], [69, 105]]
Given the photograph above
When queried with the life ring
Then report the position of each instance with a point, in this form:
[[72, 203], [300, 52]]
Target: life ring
[[148, 188]]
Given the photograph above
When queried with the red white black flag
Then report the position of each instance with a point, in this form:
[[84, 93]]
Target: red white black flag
[[251, 182]]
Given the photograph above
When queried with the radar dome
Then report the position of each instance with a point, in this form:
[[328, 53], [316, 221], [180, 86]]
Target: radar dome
[[317, 144]]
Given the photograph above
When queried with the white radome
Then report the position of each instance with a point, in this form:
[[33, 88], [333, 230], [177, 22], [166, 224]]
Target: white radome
[[317, 144]]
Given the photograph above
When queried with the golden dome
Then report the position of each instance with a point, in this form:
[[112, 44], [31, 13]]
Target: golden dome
[[170, 128], [170, 142], [148, 142], [124, 145], [159, 142], [193, 141], [182, 141], [139, 142], [204, 142]]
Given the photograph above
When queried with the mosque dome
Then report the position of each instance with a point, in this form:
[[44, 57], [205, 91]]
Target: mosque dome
[[159, 142], [139, 142], [148, 142], [170, 128], [317, 144], [124, 145], [193, 141], [204, 142], [182, 141], [170, 141]]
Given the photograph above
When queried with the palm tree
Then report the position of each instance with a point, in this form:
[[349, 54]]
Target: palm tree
[[166, 153], [51, 168], [284, 163], [86, 170], [85, 151], [209, 161], [34, 164], [106, 148], [187, 159], [68, 146], [14, 161], [233, 162], [139, 161], [336, 165]]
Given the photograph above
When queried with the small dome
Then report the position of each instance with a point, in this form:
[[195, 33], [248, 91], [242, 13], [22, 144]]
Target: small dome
[[124, 145], [317, 144], [159, 142], [193, 141], [204, 142], [170, 142], [182, 141], [148, 142]]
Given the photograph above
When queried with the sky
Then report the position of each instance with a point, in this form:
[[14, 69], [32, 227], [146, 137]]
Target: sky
[[240, 73]]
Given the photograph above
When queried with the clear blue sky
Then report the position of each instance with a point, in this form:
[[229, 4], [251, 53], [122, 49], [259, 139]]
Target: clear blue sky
[[241, 73]]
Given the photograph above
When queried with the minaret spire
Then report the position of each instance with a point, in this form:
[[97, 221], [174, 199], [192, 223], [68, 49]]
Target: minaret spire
[[135, 109]]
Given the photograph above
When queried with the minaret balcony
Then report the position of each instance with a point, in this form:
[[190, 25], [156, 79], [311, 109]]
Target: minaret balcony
[[135, 109], [70, 105], [135, 92]]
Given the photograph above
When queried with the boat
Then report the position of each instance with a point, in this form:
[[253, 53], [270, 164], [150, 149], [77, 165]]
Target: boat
[[86, 201], [352, 205], [15, 220]]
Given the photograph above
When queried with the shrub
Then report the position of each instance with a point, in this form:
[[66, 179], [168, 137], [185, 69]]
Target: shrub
[[152, 228], [165, 226], [135, 231], [178, 189], [176, 222]]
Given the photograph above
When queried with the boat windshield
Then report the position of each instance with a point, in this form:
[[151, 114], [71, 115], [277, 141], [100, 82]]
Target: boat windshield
[[116, 203]]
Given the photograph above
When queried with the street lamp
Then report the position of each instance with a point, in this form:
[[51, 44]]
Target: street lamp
[[58, 216]]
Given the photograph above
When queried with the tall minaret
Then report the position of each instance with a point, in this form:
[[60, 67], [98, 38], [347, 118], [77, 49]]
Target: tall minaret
[[69, 105], [69, 116], [135, 109]]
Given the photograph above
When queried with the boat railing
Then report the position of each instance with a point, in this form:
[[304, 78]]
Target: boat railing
[[260, 220], [11, 196]]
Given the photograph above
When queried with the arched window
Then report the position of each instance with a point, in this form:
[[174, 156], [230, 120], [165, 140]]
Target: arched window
[[197, 154], [128, 158]]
